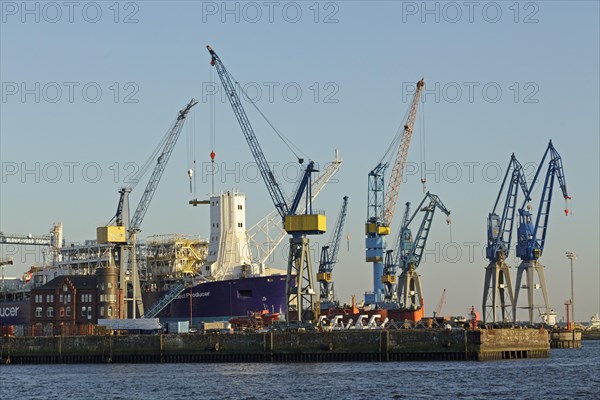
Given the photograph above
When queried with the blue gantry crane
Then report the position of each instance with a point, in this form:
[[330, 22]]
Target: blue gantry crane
[[410, 254], [299, 281], [497, 290], [381, 202], [531, 237], [329, 256]]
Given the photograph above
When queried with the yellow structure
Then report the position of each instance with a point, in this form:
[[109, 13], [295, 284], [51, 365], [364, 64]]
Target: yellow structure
[[111, 234], [307, 223]]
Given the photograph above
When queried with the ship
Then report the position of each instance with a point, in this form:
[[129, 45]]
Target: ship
[[227, 283]]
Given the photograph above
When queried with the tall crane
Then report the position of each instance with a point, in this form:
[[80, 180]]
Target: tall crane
[[410, 253], [124, 234], [299, 280], [381, 204], [329, 255], [497, 289], [531, 238]]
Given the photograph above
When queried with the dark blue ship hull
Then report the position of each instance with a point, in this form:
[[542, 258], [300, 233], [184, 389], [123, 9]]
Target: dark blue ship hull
[[222, 300]]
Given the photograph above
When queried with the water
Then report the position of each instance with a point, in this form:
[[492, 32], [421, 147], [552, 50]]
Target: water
[[567, 374]]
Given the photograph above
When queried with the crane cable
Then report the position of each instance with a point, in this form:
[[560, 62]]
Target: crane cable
[[213, 124], [289, 144], [390, 151], [143, 170], [422, 147]]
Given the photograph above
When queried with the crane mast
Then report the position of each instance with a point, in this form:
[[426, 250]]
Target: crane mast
[[329, 255], [411, 253], [299, 279], [381, 204], [498, 290], [531, 238]]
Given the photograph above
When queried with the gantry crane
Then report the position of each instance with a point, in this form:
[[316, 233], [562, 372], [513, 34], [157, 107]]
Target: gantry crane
[[531, 237], [381, 203], [125, 231], [410, 254], [498, 295], [329, 255], [299, 281]]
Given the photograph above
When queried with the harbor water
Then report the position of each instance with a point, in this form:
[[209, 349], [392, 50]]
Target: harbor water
[[566, 374]]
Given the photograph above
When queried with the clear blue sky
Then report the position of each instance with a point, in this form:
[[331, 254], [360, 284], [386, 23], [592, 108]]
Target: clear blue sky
[[353, 62]]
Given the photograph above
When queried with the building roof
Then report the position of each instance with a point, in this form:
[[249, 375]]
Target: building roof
[[79, 281]]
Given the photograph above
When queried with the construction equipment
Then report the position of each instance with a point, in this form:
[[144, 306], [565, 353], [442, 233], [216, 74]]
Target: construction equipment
[[438, 310], [392, 260], [124, 232], [299, 280], [497, 290], [410, 253], [268, 233], [329, 255], [381, 204], [531, 238]]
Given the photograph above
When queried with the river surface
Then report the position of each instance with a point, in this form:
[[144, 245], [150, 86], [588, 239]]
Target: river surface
[[566, 374]]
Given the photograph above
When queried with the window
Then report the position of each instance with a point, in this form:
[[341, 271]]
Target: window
[[109, 284], [61, 298], [62, 312], [68, 298], [83, 311], [109, 311], [50, 312], [83, 298], [102, 311], [65, 288], [38, 312], [49, 298], [68, 311], [240, 225], [244, 294], [239, 206], [102, 286], [89, 312]]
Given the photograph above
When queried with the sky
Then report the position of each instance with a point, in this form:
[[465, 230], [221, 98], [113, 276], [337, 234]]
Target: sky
[[90, 88]]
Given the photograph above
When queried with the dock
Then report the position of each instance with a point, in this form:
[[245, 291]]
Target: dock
[[275, 346]]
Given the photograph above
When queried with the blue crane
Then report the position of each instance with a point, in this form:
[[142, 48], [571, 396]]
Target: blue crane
[[299, 284], [329, 255], [531, 238], [410, 252], [497, 283], [381, 204], [392, 260]]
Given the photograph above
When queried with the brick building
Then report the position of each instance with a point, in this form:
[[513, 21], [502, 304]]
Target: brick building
[[66, 300]]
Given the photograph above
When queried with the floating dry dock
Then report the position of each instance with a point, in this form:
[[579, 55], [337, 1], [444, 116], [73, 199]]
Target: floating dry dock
[[363, 345]]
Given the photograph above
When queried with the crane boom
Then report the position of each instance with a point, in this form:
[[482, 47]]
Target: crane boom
[[161, 163], [268, 176], [500, 228], [532, 238], [410, 257], [329, 255], [391, 197]]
